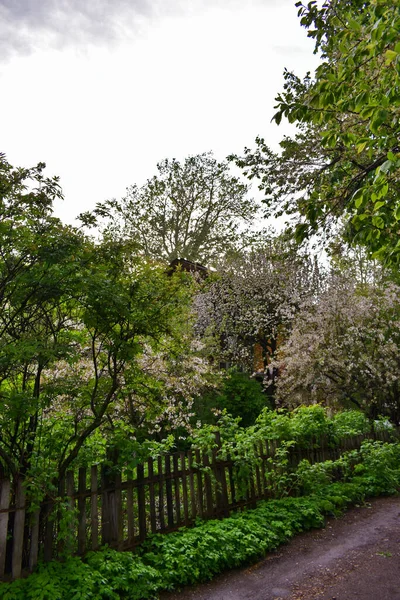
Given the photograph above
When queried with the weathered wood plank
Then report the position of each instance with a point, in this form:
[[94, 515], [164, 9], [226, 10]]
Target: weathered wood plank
[[105, 508], [19, 526], [175, 461], [81, 511], [168, 491], [193, 508], [259, 491], [208, 486], [262, 468], [130, 513], [119, 524], [161, 480], [70, 489], [34, 546], [184, 489], [141, 502], [48, 547], [152, 499], [199, 479], [94, 511], [4, 505], [232, 483]]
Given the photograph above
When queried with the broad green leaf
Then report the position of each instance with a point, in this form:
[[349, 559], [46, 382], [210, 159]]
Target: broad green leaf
[[358, 197], [390, 55], [378, 222], [354, 25], [386, 166], [361, 147]]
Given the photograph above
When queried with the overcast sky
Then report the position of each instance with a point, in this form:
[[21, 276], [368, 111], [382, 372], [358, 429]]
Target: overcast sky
[[101, 90]]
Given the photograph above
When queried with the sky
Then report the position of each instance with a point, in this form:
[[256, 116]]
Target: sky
[[102, 90]]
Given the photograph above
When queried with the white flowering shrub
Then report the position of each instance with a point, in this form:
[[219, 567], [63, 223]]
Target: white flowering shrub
[[344, 350]]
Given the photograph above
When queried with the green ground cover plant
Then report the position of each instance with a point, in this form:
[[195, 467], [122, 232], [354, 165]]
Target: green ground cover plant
[[188, 556]]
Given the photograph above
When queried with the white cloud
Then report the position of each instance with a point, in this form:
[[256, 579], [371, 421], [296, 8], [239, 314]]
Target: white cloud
[[202, 77]]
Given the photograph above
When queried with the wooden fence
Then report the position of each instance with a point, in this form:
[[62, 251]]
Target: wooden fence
[[120, 508]]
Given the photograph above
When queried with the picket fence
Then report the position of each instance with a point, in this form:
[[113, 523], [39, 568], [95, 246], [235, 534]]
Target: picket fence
[[120, 508]]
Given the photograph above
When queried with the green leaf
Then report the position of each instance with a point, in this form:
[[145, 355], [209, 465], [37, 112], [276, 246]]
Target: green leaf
[[361, 147], [390, 55], [378, 222], [358, 197], [380, 116], [354, 25], [367, 112], [386, 166]]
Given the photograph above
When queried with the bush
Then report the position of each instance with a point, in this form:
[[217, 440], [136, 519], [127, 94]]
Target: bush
[[350, 422], [188, 556], [240, 396]]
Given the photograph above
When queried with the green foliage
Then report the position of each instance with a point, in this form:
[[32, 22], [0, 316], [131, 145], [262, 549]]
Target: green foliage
[[240, 396], [188, 556], [344, 162], [106, 575], [281, 479], [311, 476], [306, 427], [350, 422], [198, 554], [379, 467], [85, 329], [192, 209]]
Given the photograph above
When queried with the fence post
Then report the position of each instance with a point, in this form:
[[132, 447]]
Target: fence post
[[207, 484], [168, 489], [48, 519], [129, 509], [221, 491], [161, 492], [19, 525], [175, 462], [199, 483], [105, 509], [184, 489], [193, 506], [81, 510], [34, 548], [4, 504], [141, 502], [117, 530], [152, 497], [94, 513]]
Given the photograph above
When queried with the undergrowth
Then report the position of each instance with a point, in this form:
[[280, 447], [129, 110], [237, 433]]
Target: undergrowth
[[188, 556]]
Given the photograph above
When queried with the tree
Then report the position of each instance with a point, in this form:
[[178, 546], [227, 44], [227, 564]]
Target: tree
[[344, 162], [194, 210], [75, 320], [253, 301], [344, 349]]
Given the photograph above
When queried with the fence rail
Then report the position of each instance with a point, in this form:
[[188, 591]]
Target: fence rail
[[120, 508]]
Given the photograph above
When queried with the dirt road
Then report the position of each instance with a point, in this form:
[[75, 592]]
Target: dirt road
[[356, 557]]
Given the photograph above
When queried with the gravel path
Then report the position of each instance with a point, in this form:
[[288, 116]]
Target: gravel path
[[355, 557]]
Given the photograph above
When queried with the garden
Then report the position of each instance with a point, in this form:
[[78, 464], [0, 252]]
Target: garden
[[182, 391]]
